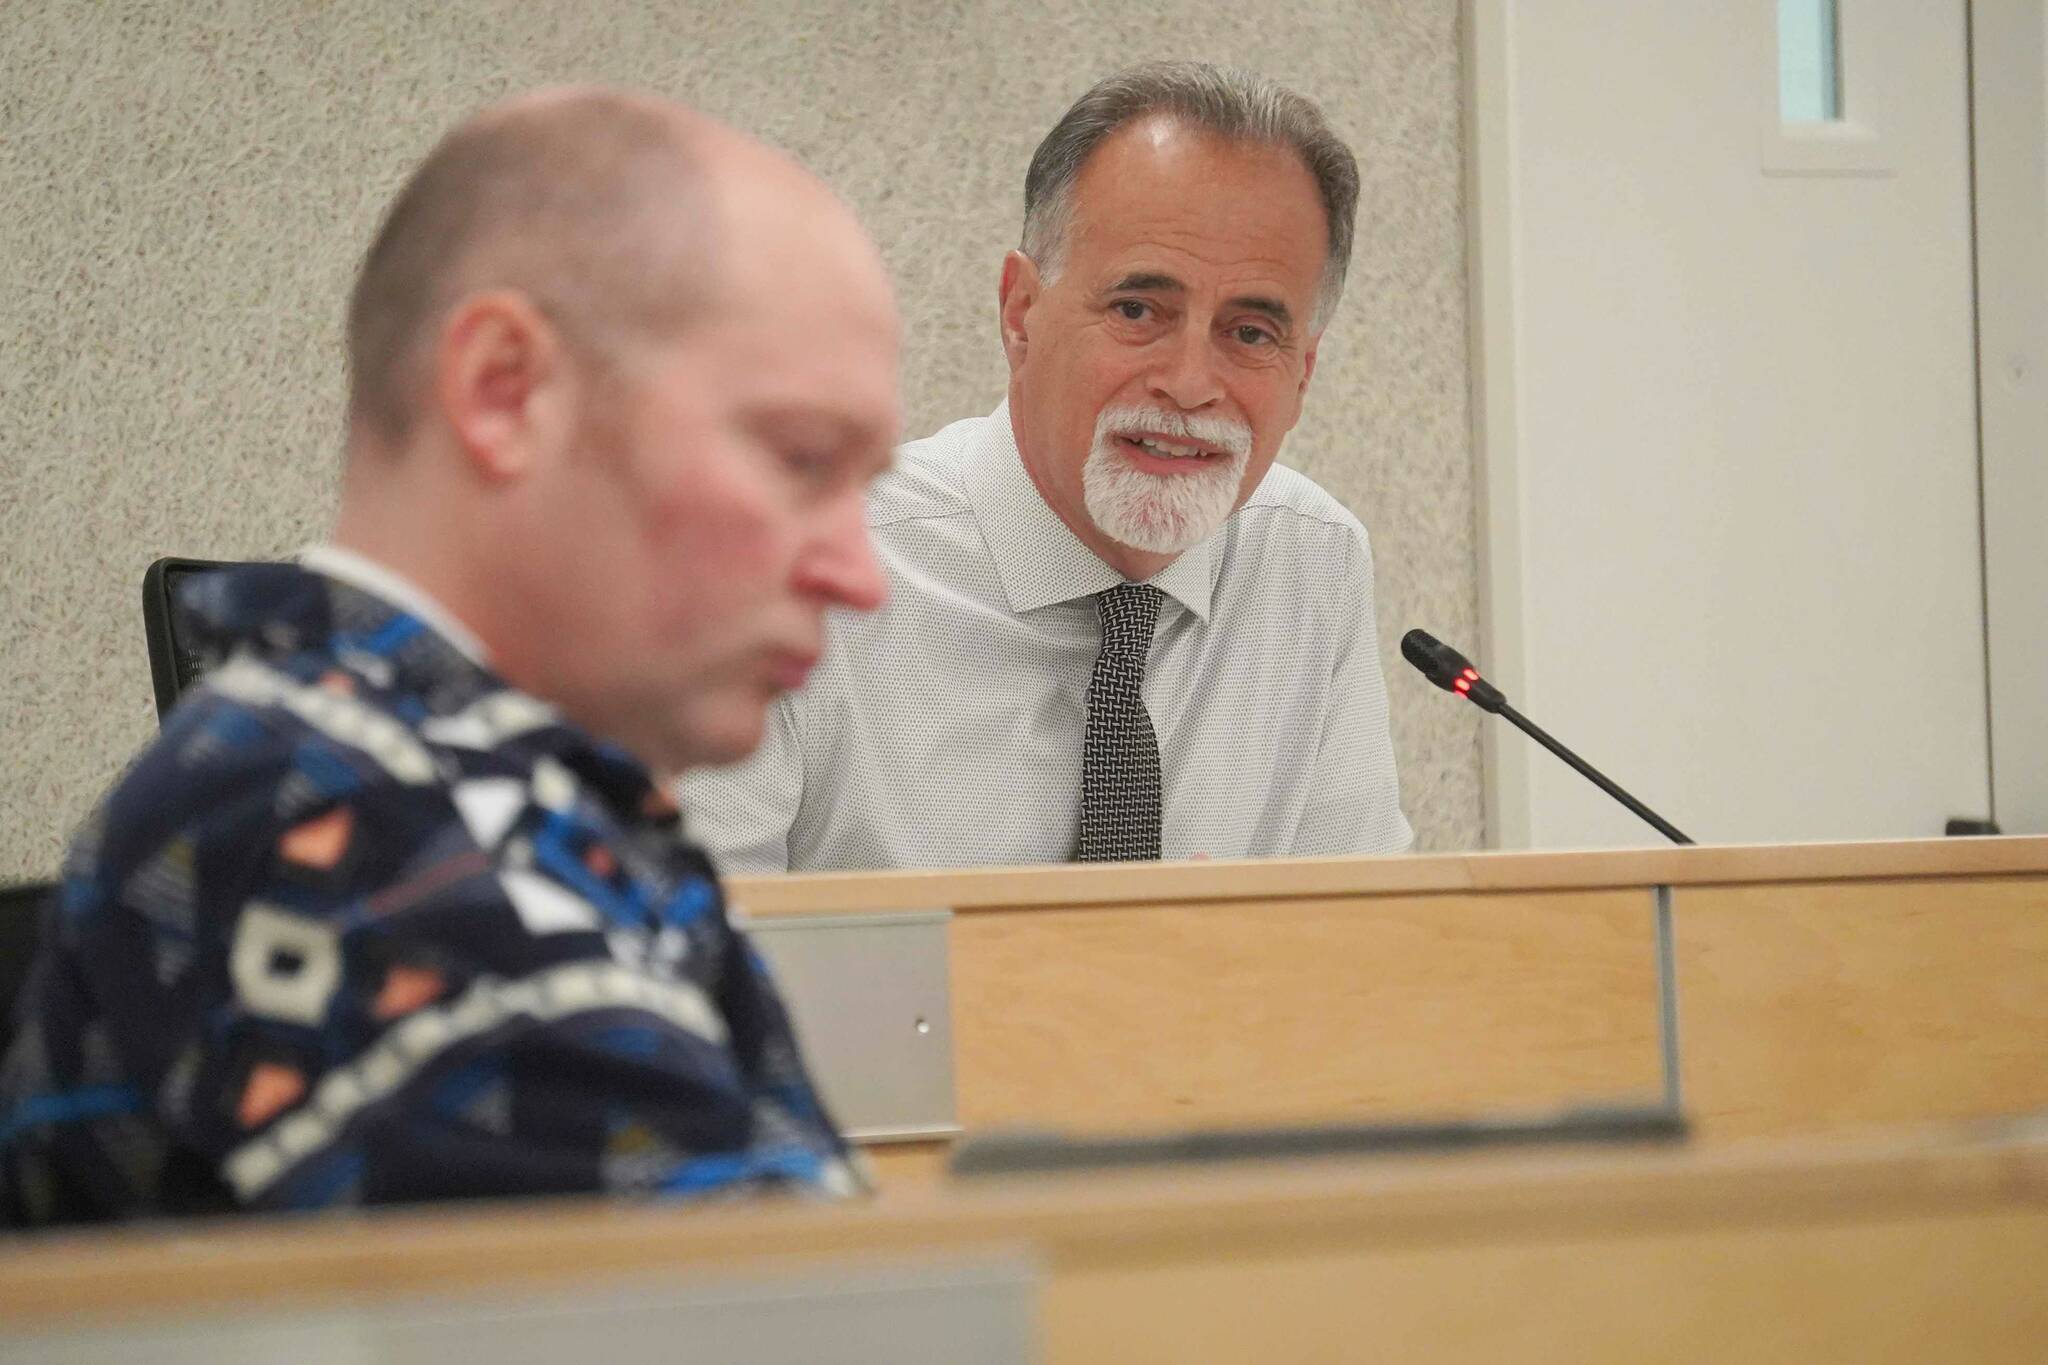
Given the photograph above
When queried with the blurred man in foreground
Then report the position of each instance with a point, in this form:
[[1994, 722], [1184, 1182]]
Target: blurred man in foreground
[[394, 908], [1116, 629]]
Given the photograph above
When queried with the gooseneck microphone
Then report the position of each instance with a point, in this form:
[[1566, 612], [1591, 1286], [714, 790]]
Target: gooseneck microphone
[[1453, 672]]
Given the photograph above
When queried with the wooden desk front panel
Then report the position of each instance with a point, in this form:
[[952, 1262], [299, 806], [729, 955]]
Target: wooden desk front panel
[[1910, 1250], [1898, 1291], [1814, 1007], [1104, 1017], [1820, 987]]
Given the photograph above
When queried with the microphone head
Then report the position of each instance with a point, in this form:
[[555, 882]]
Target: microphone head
[[1434, 659], [1450, 670]]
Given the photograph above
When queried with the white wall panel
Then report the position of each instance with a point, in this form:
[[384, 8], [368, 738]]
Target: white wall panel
[[1727, 425]]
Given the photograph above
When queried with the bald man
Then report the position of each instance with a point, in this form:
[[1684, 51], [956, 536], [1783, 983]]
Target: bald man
[[394, 908]]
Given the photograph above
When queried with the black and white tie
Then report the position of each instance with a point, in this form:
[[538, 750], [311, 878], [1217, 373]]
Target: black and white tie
[[1119, 751]]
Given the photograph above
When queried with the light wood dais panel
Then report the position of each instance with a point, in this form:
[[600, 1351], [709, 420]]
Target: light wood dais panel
[[1303, 1009], [1820, 987], [1922, 1246], [1814, 1007]]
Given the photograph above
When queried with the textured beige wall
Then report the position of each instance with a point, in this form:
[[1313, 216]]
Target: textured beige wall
[[186, 188]]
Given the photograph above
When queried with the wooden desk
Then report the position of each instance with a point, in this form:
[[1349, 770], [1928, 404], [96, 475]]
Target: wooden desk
[[1819, 987], [1911, 1248]]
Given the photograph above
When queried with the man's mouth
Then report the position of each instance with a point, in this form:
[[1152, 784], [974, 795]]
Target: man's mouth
[[1160, 448]]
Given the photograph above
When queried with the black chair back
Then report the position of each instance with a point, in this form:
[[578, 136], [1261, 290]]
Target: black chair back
[[173, 666], [21, 909]]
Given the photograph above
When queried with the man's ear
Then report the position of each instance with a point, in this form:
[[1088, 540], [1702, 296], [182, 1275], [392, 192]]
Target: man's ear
[[1014, 296], [1308, 365], [502, 381]]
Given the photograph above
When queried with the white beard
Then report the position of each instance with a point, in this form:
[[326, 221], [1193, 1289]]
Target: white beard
[[1162, 513]]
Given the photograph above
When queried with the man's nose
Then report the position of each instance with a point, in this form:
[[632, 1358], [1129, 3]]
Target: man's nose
[[839, 565], [1186, 373]]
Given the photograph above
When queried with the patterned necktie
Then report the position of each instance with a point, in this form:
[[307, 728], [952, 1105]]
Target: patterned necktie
[[1119, 752]]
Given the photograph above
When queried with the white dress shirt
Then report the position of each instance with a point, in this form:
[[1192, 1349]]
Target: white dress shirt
[[945, 729]]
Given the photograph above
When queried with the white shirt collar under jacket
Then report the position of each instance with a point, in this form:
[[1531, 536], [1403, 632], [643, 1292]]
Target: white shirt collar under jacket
[[387, 584]]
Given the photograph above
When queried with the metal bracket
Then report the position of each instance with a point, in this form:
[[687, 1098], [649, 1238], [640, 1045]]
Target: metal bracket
[[871, 999], [1667, 1001]]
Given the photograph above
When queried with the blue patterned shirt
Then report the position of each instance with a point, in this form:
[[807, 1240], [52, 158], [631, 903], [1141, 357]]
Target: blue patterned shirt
[[367, 925]]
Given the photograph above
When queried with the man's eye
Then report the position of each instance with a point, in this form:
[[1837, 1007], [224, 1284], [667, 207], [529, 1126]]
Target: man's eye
[[1252, 336], [1131, 310]]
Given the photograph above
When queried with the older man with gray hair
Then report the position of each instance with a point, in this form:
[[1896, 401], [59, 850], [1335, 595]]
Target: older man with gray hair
[[1116, 630]]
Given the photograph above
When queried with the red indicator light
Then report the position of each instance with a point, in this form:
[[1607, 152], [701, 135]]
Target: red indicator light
[[1473, 674], [1463, 684]]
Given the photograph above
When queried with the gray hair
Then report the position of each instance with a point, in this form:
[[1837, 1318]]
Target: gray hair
[[1233, 104]]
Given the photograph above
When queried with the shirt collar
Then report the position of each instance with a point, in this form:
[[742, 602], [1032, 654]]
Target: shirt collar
[[1038, 559], [457, 670], [389, 586]]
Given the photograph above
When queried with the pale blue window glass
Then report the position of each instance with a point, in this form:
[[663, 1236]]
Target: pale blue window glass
[[1809, 62]]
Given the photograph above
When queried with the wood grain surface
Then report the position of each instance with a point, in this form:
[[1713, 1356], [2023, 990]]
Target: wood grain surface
[[1820, 987], [1819, 1007], [1305, 1010], [1277, 879], [1909, 1247]]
